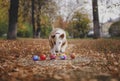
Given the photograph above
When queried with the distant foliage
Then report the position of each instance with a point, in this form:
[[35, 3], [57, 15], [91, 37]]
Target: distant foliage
[[45, 12], [114, 30], [45, 26], [24, 30], [79, 25], [45, 31], [4, 5], [3, 29]]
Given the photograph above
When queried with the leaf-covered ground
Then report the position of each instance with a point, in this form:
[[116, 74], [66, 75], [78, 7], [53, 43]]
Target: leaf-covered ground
[[96, 60]]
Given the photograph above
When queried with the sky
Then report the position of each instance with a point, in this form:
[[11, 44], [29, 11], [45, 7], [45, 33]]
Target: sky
[[111, 10], [107, 8]]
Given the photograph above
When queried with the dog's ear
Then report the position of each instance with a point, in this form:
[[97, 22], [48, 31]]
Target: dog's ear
[[62, 36], [53, 36]]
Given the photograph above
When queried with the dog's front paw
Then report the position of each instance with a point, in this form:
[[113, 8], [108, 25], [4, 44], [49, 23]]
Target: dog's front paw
[[62, 51], [52, 52]]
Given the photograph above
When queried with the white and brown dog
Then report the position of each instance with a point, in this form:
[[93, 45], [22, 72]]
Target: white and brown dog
[[58, 41]]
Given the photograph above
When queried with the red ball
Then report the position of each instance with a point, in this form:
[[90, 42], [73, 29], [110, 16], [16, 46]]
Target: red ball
[[72, 56], [42, 57], [52, 56]]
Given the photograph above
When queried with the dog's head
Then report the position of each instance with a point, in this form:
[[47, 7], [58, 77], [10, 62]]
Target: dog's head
[[59, 39]]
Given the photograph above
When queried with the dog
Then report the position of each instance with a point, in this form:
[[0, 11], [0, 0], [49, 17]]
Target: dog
[[58, 41]]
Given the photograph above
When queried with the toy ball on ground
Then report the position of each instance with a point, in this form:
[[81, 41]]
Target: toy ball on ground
[[52, 56], [63, 57], [72, 56], [35, 58], [42, 57]]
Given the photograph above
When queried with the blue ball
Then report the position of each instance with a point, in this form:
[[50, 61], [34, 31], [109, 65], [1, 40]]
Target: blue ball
[[35, 58], [63, 57]]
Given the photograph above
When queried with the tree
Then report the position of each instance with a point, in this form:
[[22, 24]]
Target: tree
[[79, 25], [13, 17], [40, 7], [96, 19], [33, 19], [38, 30], [59, 22], [51, 10]]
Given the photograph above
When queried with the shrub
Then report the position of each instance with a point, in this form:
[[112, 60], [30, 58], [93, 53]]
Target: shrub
[[3, 29], [24, 30], [79, 25], [114, 29], [45, 31]]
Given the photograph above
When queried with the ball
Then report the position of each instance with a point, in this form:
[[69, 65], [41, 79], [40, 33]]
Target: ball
[[42, 57], [35, 58], [72, 56], [63, 57], [52, 56]]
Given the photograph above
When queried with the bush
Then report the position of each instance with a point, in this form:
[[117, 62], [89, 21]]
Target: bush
[[3, 29], [114, 29], [45, 31], [79, 25], [24, 30]]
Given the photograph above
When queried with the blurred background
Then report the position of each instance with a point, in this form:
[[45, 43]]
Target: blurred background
[[79, 18]]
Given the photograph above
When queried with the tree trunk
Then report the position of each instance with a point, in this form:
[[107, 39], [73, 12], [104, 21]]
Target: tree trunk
[[38, 20], [96, 19], [33, 19], [25, 10], [38, 27], [13, 17]]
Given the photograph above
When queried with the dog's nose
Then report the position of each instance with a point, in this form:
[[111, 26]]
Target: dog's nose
[[56, 51]]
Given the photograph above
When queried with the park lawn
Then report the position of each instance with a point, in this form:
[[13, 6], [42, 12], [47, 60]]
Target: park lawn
[[96, 59]]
